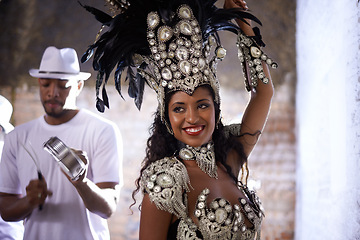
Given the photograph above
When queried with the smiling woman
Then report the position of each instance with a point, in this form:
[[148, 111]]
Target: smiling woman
[[192, 118], [190, 178]]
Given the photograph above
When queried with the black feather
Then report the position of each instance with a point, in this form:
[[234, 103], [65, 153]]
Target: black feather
[[127, 34]]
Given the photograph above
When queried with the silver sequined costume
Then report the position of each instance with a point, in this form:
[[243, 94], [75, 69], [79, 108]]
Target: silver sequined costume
[[167, 183]]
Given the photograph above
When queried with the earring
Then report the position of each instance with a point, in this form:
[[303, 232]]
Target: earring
[[169, 129], [218, 121]]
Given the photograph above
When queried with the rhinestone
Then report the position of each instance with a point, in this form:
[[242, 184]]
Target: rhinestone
[[185, 67], [206, 191], [157, 56], [186, 154], [202, 197], [255, 52], [180, 41], [243, 201], [171, 54], [153, 20], [184, 12], [197, 213], [197, 53], [228, 208], [170, 85], [251, 215], [222, 202], [195, 70], [150, 185], [172, 46], [166, 193], [250, 63], [269, 61], [257, 61], [166, 73], [163, 54], [261, 75], [154, 49], [220, 215], [182, 53], [157, 189], [215, 205], [221, 52], [162, 63], [177, 75], [202, 63], [165, 180], [164, 83], [162, 46], [228, 221], [173, 67], [197, 45], [265, 80], [211, 216], [258, 68], [152, 42], [153, 177], [201, 205], [274, 65], [263, 57], [212, 40], [168, 61], [187, 43], [165, 33], [206, 72], [247, 208], [194, 61], [235, 228], [185, 28]]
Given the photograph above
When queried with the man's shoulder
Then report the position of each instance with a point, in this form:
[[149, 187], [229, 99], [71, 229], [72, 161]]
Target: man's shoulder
[[93, 118]]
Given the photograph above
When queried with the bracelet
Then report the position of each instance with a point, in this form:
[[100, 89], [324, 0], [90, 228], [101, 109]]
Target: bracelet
[[252, 56]]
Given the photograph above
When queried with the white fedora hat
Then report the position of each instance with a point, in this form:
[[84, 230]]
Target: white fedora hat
[[59, 64], [5, 114]]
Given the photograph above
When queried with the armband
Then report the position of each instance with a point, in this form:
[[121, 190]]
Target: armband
[[251, 56]]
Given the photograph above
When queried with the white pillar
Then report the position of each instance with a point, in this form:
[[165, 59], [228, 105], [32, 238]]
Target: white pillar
[[328, 120]]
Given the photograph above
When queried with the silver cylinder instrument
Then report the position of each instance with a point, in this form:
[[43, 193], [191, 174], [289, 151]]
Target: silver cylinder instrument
[[70, 163]]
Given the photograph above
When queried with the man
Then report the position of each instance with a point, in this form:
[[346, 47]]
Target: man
[[8, 230], [53, 205]]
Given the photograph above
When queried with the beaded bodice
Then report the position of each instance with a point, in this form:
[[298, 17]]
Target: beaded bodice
[[167, 183]]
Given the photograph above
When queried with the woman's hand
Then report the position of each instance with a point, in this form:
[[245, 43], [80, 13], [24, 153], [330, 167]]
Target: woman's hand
[[235, 4], [246, 28]]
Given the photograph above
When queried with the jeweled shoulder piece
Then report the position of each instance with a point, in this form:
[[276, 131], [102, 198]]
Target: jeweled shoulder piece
[[165, 181], [252, 57]]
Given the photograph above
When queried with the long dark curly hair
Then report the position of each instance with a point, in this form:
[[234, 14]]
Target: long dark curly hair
[[162, 144]]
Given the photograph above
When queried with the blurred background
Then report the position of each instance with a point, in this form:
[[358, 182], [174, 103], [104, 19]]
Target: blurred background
[[305, 165]]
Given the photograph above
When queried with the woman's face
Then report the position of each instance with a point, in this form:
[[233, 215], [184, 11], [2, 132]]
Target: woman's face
[[192, 118]]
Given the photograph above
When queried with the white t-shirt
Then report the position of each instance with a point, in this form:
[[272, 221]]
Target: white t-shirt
[[10, 230], [64, 215]]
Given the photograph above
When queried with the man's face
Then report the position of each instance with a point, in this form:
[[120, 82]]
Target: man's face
[[57, 95]]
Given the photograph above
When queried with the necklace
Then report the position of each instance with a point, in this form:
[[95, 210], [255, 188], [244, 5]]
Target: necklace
[[204, 157]]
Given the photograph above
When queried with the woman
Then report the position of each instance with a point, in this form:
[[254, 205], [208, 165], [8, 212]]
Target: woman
[[192, 165]]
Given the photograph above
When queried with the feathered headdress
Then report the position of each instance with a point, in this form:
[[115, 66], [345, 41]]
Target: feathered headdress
[[164, 43]]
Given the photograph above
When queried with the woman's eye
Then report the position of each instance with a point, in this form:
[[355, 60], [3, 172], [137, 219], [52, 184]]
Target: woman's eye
[[178, 109], [203, 106]]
